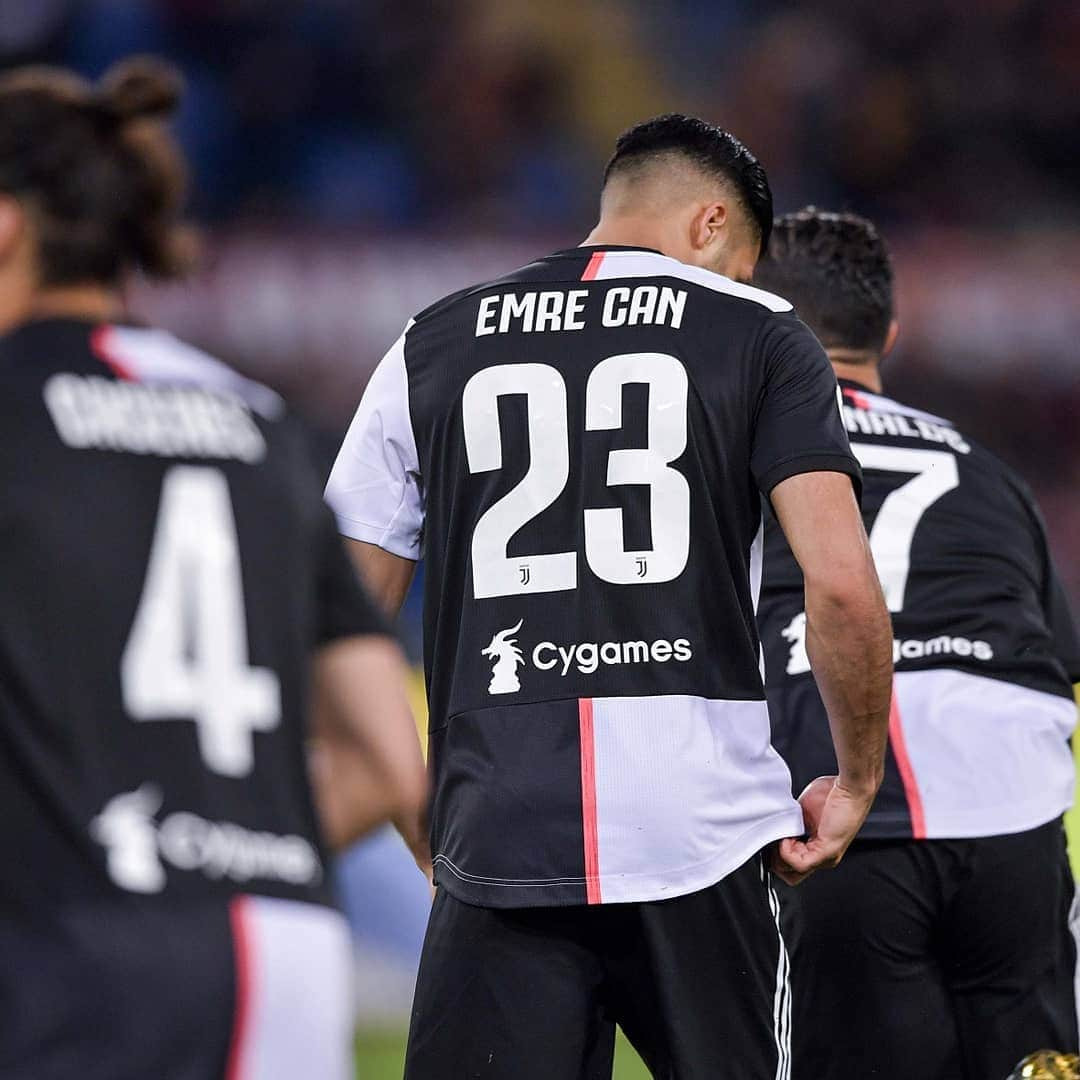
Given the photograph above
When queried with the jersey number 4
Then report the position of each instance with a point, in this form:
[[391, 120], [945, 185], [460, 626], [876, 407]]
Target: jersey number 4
[[495, 573], [187, 655]]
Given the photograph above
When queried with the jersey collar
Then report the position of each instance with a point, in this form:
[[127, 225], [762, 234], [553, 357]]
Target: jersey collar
[[589, 249], [856, 386]]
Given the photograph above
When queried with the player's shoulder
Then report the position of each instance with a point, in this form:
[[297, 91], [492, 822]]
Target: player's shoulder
[[155, 357], [865, 400], [583, 265], [34, 349], [37, 351], [879, 407]]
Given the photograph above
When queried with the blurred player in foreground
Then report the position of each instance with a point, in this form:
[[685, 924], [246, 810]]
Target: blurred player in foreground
[[172, 583], [582, 445], [941, 947]]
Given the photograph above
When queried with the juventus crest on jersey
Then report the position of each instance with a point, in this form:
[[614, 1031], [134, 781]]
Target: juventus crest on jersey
[[578, 449], [984, 646]]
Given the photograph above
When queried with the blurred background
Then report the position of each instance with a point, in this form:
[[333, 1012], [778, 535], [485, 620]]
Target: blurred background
[[355, 159]]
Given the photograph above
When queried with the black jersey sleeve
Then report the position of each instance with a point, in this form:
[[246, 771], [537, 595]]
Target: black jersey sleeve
[[799, 425], [345, 609]]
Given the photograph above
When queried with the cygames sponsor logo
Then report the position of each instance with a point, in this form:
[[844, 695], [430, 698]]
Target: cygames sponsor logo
[[907, 649], [137, 846], [585, 657]]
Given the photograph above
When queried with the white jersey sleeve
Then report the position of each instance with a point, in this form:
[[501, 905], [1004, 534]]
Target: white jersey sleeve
[[374, 487]]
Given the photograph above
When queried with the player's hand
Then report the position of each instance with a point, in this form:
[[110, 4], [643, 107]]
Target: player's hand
[[833, 815]]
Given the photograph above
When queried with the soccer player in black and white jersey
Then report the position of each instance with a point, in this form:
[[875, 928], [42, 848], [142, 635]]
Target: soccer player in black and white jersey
[[579, 449], [175, 595], [941, 947]]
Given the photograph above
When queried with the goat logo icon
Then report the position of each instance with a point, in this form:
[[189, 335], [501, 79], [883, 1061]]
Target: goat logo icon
[[128, 832], [795, 633], [507, 656]]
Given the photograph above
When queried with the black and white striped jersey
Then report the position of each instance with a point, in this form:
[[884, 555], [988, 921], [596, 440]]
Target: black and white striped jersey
[[984, 645], [167, 568], [579, 450]]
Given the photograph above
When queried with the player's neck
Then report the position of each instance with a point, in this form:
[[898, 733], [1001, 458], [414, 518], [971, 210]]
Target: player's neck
[[94, 303], [857, 367], [635, 232]]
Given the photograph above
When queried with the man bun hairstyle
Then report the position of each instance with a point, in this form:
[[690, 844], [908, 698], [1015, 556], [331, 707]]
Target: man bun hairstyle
[[97, 170], [837, 271], [141, 88], [711, 149]]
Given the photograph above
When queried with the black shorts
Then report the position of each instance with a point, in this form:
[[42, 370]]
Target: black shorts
[[698, 983], [943, 959], [139, 990]]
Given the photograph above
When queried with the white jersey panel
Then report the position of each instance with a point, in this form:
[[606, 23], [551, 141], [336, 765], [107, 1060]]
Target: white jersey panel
[[296, 999], [687, 789], [374, 487], [987, 757]]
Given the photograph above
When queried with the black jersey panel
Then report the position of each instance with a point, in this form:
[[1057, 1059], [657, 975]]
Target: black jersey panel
[[502, 771], [166, 570], [977, 595]]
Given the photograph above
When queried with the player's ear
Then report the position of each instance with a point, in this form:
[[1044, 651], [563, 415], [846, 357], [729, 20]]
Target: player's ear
[[12, 224], [707, 226], [890, 337]]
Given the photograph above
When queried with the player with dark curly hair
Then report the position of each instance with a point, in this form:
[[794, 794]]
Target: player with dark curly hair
[[941, 947]]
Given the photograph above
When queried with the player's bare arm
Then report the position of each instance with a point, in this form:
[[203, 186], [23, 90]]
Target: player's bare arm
[[367, 763], [386, 575], [849, 643]]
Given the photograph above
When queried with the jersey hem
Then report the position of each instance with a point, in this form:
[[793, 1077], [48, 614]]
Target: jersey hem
[[618, 888], [973, 825]]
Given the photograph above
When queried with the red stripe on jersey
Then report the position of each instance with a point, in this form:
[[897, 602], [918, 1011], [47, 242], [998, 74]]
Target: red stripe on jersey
[[242, 953], [593, 268], [588, 800], [907, 774], [100, 345], [857, 399]]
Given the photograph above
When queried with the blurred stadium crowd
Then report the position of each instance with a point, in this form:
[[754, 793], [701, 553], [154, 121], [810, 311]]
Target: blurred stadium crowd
[[495, 113]]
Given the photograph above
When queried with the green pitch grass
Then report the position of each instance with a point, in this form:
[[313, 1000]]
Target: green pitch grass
[[381, 1056]]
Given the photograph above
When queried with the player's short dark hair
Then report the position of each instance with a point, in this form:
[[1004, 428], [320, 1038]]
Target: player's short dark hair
[[96, 169], [712, 149], [836, 270]]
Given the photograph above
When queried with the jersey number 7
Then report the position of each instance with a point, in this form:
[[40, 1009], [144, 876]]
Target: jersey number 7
[[902, 509], [497, 574]]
